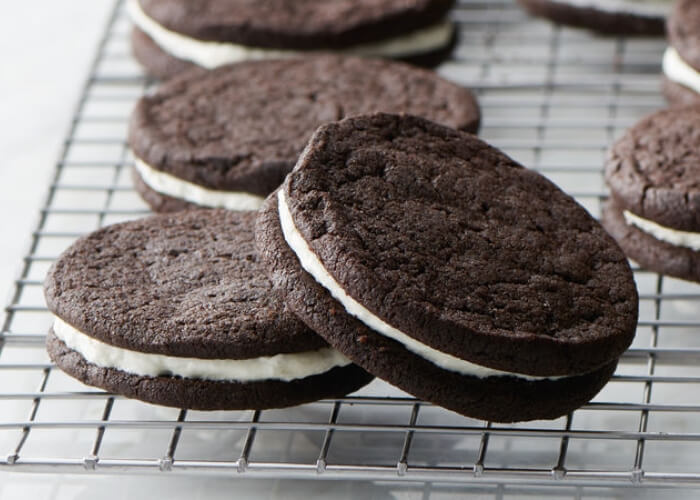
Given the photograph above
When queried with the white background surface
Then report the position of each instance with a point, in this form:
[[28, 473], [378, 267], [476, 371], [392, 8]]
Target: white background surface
[[46, 48]]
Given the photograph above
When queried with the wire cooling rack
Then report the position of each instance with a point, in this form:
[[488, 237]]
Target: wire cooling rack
[[552, 98]]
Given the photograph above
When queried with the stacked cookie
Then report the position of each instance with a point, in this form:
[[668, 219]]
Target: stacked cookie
[[654, 176], [176, 310], [176, 35], [228, 137]]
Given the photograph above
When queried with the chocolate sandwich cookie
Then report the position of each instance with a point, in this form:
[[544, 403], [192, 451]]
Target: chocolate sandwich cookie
[[437, 263], [681, 63], [227, 138], [610, 17], [171, 35], [654, 176], [175, 310]]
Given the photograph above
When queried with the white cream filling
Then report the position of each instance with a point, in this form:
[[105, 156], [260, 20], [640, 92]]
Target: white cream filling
[[312, 264], [679, 71], [673, 236], [170, 185], [646, 8], [285, 367], [213, 54]]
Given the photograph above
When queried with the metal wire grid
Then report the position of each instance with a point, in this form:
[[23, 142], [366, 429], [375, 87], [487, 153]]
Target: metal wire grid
[[552, 98]]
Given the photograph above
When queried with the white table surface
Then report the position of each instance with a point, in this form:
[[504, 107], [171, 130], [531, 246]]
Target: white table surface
[[46, 49]]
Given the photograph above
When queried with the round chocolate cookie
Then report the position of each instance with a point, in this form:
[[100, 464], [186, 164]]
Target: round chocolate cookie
[[654, 176], [173, 34], [437, 263], [681, 63], [610, 17], [228, 137], [175, 310]]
